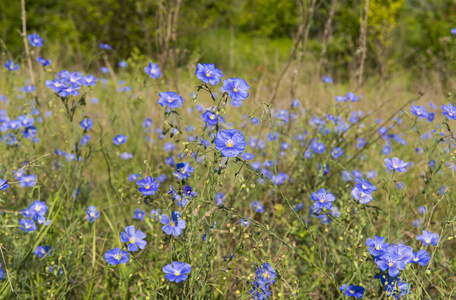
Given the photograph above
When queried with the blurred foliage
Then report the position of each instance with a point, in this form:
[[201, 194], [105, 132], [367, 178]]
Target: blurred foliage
[[402, 34]]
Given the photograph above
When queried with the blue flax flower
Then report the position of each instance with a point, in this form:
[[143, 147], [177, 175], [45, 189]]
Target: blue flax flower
[[211, 118], [86, 124], [352, 290], [421, 257], [183, 170], [27, 225], [153, 70], [236, 88], [92, 214], [139, 214], [396, 164], [116, 256], [119, 139], [177, 271], [377, 245], [208, 73], [170, 99], [174, 225], [148, 186], [322, 199], [429, 238], [449, 111], [419, 111], [35, 40], [256, 205], [391, 260], [42, 251], [230, 142], [11, 66], [134, 238]]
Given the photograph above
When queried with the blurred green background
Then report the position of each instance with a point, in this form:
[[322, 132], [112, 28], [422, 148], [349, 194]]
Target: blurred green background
[[403, 35]]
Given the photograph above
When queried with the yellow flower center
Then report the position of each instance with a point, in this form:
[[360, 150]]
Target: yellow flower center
[[177, 273], [92, 215], [132, 240], [229, 143], [170, 100], [235, 89], [117, 256], [147, 187], [208, 74], [390, 264], [212, 117], [378, 247], [428, 241]]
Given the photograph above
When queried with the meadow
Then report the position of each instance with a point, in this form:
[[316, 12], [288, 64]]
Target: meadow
[[121, 180]]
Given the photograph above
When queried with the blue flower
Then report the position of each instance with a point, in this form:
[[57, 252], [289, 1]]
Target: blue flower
[[27, 225], [449, 111], [219, 199], [147, 123], [43, 61], [170, 99], [126, 155], [177, 271], [208, 73], [337, 152], [183, 170], [322, 199], [174, 225], [327, 79], [42, 251], [377, 245], [135, 239], [92, 214], [148, 186], [361, 196], [230, 142], [139, 214], [396, 164], [122, 64], [365, 186], [105, 47], [188, 192], [265, 274], [37, 209], [341, 99], [352, 97], [256, 205], [453, 30], [155, 214], [236, 88], [35, 40], [116, 256], [211, 118], [2, 273], [419, 111], [392, 261], [11, 66], [3, 185], [352, 290], [429, 238], [421, 257], [86, 124], [85, 139], [153, 70], [119, 139], [26, 121]]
